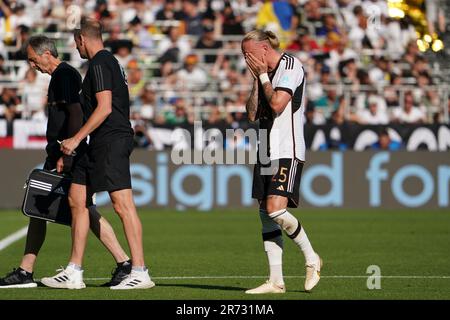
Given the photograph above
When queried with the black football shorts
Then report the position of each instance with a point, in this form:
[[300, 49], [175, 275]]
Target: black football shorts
[[109, 165], [283, 180]]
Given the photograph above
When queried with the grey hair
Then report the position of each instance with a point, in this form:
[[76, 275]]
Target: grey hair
[[41, 43]]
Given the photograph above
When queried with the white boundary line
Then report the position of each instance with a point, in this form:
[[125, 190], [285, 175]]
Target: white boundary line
[[263, 277], [19, 234], [4, 243]]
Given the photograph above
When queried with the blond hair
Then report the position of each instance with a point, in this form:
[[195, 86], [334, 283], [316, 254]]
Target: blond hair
[[259, 35]]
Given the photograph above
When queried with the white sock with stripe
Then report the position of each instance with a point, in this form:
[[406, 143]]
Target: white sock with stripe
[[294, 230], [273, 245]]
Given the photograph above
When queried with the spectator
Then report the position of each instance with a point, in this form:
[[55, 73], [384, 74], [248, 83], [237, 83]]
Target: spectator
[[191, 76], [114, 38], [423, 93], [135, 79], [303, 42], [215, 118], [372, 115], [169, 11], [392, 92], [340, 54], [231, 23], [165, 71], [385, 142], [21, 40], [173, 48], [412, 53], [102, 13], [141, 136], [145, 105], [139, 35], [363, 37], [312, 11], [312, 116], [33, 94], [9, 108], [329, 26], [123, 51], [208, 41], [379, 74], [192, 17], [408, 113], [3, 71], [178, 116]]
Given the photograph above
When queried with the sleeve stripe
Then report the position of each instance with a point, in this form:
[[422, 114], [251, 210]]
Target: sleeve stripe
[[96, 78], [99, 77]]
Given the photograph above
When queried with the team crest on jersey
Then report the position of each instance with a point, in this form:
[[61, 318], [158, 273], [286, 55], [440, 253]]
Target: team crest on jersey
[[284, 80]]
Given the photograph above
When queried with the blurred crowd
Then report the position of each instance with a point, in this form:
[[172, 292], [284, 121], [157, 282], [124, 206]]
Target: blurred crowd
[[183, 60]]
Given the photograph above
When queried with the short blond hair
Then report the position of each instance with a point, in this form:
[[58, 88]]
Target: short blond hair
[[259, 35]]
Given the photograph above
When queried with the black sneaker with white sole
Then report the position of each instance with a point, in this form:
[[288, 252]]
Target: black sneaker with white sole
[[122, 271], [18, 278]]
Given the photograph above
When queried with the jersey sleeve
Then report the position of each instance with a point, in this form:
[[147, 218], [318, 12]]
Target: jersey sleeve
[[101, 77], [67, 89], [291, 76]]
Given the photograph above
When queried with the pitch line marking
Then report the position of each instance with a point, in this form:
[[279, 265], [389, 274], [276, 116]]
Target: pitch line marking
[[263, 277], [13, 237]]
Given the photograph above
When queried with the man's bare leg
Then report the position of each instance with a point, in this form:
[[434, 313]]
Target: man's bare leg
[[123, 204], [105, 233], [80, 222]]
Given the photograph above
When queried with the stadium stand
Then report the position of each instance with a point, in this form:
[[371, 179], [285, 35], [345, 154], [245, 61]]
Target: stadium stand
[[184, 62]]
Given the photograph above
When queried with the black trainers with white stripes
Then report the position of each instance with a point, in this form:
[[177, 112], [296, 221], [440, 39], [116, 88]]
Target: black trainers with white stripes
[[122, 271], [18, 278]]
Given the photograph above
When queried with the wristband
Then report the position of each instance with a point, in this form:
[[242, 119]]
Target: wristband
[[263, 77]]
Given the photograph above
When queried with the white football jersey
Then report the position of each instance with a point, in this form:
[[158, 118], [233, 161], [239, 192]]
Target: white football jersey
[[285, 129]]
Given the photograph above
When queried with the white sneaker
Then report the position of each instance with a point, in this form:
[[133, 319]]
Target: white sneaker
[[135, 280], [67, 278], [267, 287], [313, 274]]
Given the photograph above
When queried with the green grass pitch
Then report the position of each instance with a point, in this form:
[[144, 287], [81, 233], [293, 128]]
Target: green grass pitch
[[219, 254]]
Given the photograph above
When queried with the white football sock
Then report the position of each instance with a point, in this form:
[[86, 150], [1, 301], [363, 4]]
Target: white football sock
[[74, 266], [139, 268], [294, 230], [273, 245], [303, 242]]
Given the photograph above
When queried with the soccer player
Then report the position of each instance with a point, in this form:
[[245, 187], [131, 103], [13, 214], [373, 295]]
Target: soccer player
[[277, 102], [107, 107], [65, 117]]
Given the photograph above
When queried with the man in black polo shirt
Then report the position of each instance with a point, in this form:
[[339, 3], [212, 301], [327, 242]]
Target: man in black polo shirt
[[65, 117], [107, 106]]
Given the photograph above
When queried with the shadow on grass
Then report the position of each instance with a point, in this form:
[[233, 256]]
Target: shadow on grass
[[202, 286], [88, 285]]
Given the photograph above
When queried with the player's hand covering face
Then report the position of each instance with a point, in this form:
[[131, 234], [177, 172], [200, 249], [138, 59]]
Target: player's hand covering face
[[256, 66], [254, 54]]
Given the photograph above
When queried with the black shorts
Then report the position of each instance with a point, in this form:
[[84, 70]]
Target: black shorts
[[79, 170], [109, 165], [283, 181]]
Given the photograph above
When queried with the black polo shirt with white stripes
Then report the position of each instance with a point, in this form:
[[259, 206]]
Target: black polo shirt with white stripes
[[105, 73]]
